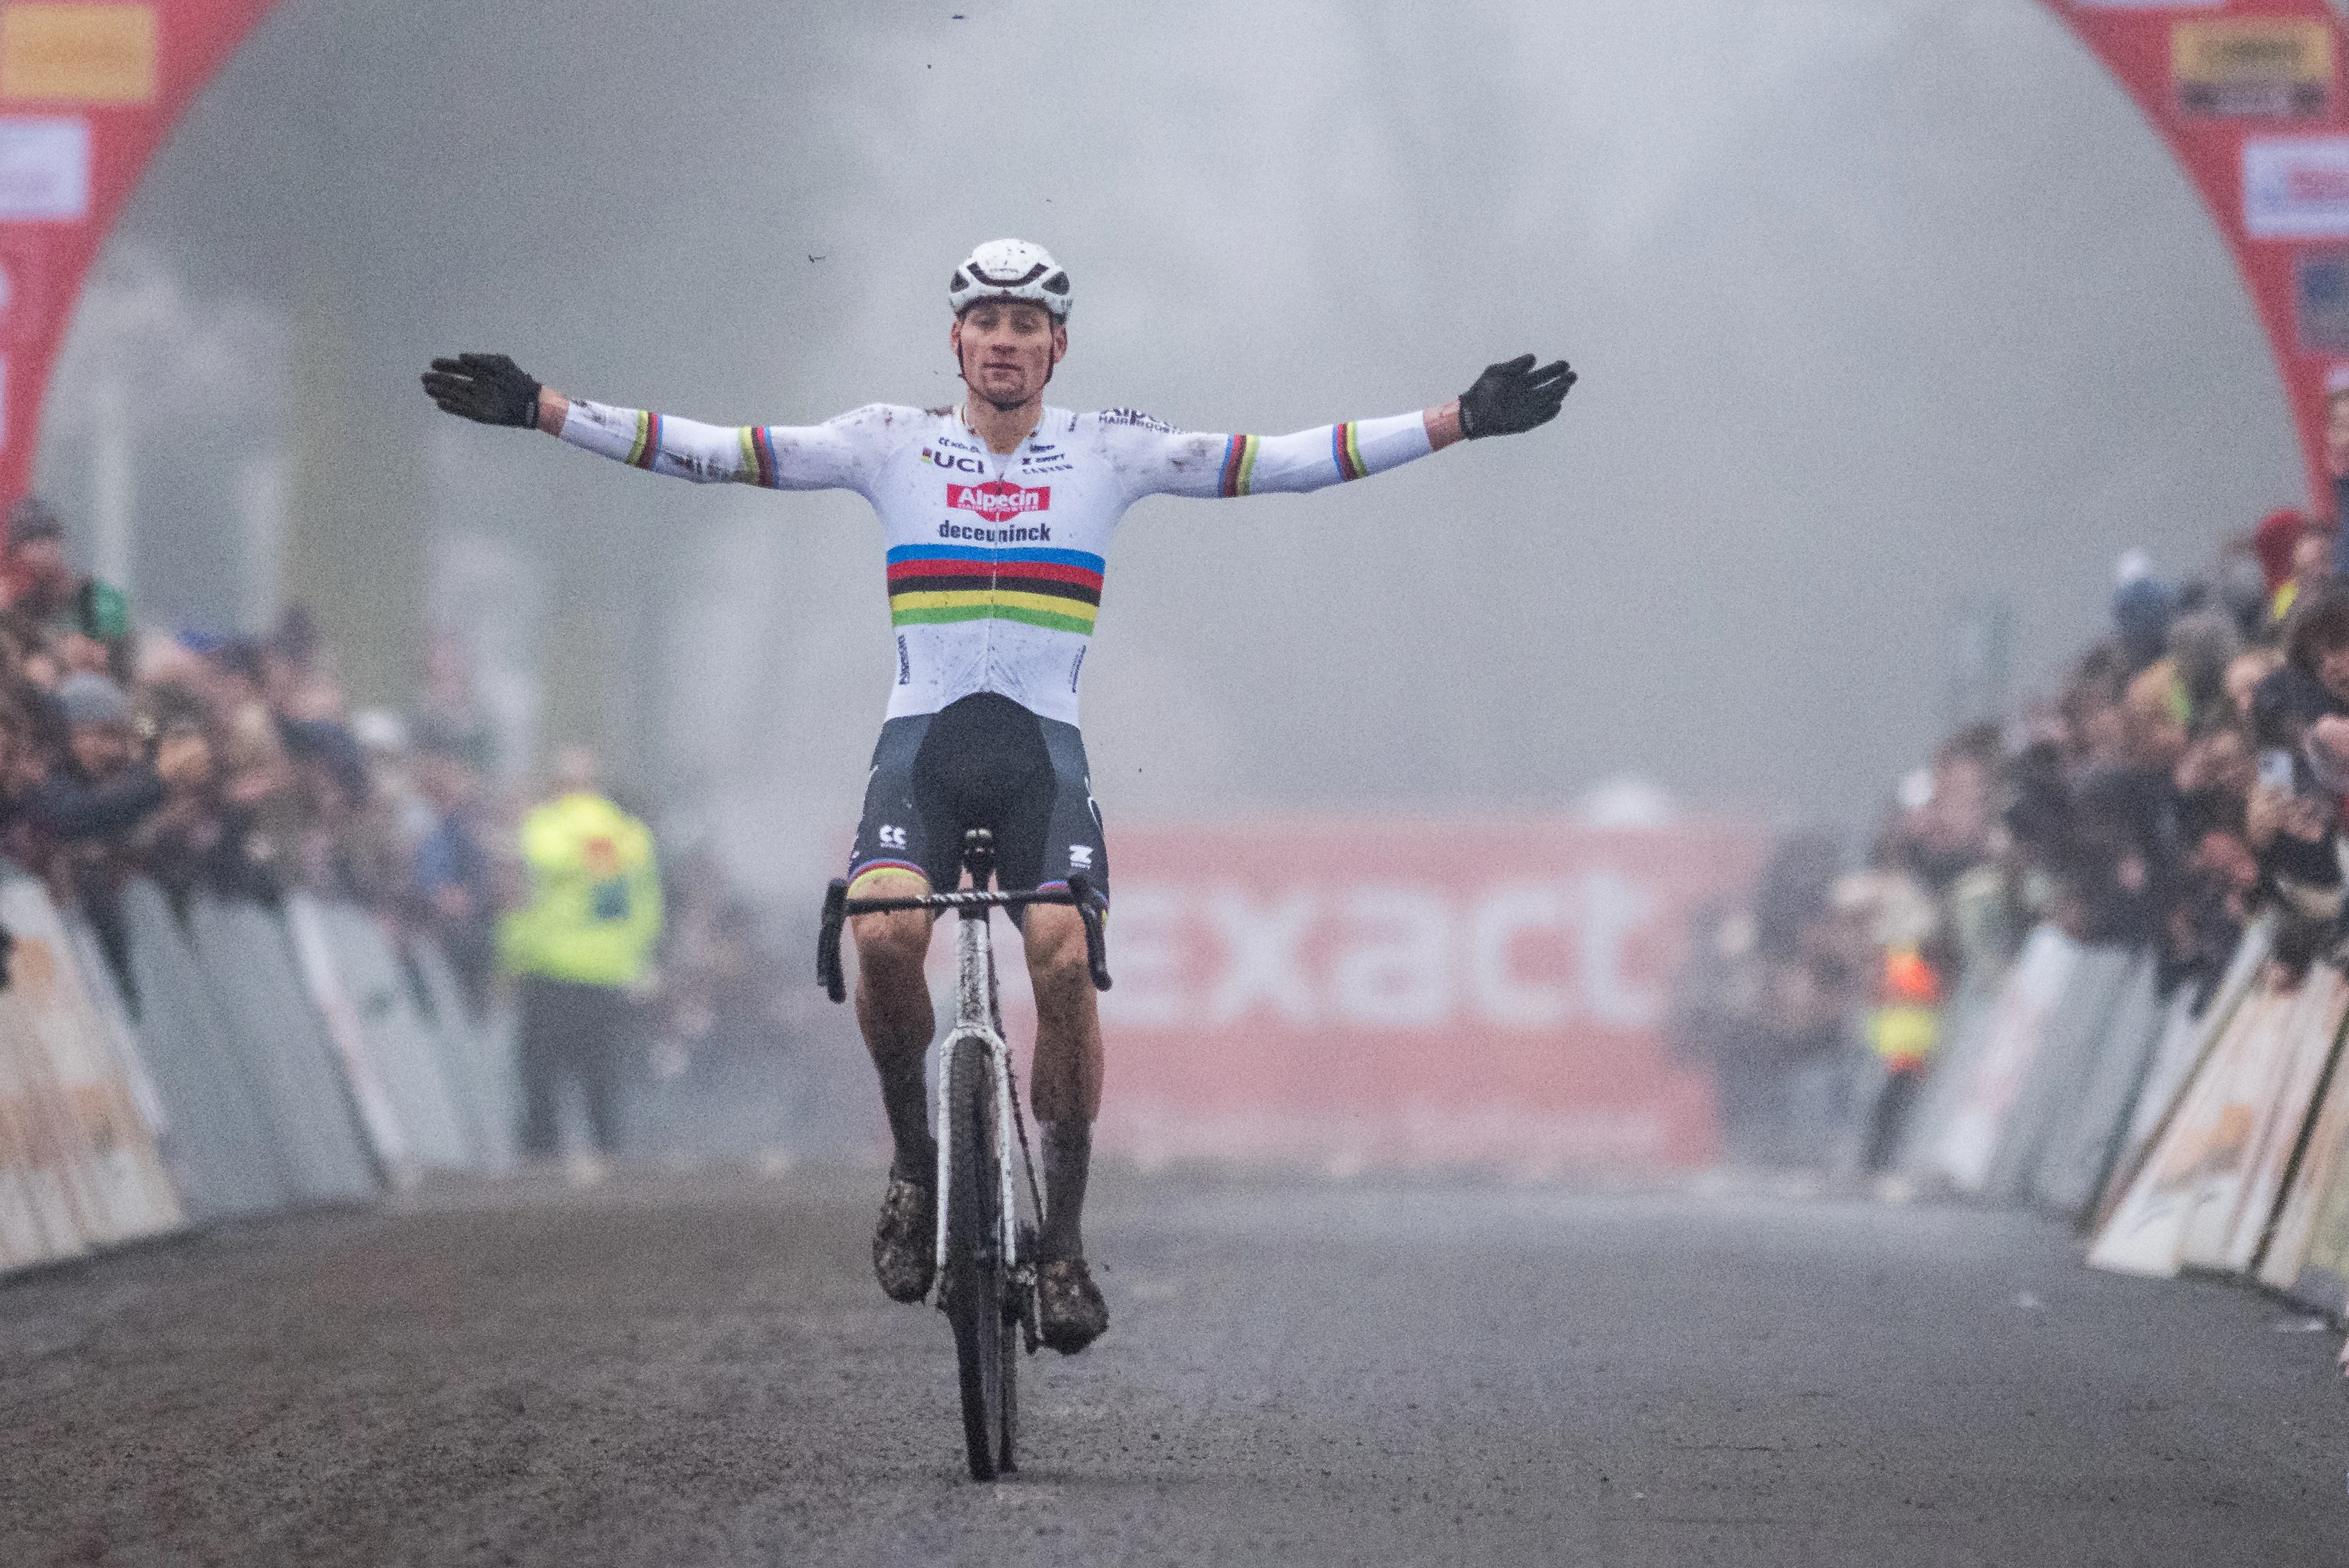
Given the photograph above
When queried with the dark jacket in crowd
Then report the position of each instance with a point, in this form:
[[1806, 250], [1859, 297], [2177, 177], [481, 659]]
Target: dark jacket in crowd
[[72, 806]]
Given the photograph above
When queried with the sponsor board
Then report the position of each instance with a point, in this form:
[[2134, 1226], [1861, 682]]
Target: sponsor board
[[44, 169], [2257, 67], [99, 1176], [2320, 301], [2230, 1237], [1357, 994], [2296, 186], [2182, 1204], [78, 53]]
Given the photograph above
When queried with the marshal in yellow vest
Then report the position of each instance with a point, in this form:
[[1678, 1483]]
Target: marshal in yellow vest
[[594, 908]]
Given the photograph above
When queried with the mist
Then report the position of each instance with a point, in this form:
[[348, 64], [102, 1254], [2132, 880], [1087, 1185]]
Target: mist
[[1884, 312]]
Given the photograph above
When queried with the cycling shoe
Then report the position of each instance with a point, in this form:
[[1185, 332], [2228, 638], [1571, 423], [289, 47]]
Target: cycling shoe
[[906, 1242], [1069, 1312]]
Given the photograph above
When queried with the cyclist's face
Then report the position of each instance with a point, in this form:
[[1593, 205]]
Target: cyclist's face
[[1007, 350]]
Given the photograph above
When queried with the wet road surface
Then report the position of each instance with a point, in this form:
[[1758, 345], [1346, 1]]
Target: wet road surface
[[686, 1370]]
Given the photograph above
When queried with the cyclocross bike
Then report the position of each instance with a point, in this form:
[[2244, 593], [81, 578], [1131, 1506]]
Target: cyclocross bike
[[986, 1268]]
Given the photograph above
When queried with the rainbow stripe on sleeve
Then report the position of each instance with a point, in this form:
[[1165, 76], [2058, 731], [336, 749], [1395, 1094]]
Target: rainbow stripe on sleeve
[[648, 440], [1239, 464], [1347, 451], [931, 585], [757, 457]]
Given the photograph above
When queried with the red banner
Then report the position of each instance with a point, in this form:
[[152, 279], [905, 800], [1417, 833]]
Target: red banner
[[2248, 94], [1404, 993], [87, 93]]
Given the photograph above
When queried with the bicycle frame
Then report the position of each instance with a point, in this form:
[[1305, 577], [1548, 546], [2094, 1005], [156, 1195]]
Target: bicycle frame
[[977, 1017]]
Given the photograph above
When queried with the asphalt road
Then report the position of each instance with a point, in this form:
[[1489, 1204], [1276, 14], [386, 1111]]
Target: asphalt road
[[681, 1371]]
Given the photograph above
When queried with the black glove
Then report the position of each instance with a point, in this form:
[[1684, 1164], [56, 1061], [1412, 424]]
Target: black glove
[[489, 387], [1512, 396]]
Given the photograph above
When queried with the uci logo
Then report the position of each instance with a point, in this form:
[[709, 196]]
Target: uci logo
[[948, 460], [891, 838]]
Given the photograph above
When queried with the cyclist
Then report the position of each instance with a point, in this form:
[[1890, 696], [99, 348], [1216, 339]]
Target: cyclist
[[998, 513]]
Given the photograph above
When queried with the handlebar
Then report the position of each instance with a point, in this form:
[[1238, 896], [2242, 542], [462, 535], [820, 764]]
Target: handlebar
[[1091, 906], [839, 909]]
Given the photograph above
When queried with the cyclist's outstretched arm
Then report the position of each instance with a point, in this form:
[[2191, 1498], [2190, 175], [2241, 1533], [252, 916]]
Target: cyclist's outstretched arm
[[1509, 398], [495, 390]]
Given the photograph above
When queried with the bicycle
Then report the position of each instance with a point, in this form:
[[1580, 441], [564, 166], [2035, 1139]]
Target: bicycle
[[986, 1267]]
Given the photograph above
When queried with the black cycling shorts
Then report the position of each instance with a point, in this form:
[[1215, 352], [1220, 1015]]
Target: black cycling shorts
[[982, 762]]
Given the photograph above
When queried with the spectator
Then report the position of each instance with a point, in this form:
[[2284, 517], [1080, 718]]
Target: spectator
[[580, 944], [82, 624], [448, 721], [93, 795], [455, 882], [2142, 607], [2275, 542], [2245, 671], [1904, 1030]]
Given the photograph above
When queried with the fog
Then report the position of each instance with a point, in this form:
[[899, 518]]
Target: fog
[[1884, 312]]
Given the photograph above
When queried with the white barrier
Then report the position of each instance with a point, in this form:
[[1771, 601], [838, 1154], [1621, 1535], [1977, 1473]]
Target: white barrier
[[39, 1217], [247, 1062], [2089, 1120], [2190, 1036], [2308, 1256], [310, 1101], [2241, 1111], [2209, 1186], [1993, 1079], [1966, 1026], [217, 1142], [479, 1056], [357, 984], [2146, 1233], [371, 1093], [2313, 1038], [2059, 1070]]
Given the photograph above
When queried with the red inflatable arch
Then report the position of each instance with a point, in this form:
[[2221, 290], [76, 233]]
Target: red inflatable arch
[[87, 93], [2248, 93]]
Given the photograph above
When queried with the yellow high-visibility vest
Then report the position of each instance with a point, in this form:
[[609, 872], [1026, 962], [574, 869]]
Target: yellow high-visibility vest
[[1905, 1027], [594, 908]]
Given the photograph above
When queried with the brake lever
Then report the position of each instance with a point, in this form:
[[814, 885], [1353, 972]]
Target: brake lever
[[827, 942], [1089, 910]]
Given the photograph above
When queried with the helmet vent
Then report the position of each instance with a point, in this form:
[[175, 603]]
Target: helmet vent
[[992, 281]]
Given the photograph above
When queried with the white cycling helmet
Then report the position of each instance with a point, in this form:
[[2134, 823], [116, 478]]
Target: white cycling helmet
[[1010, 269]]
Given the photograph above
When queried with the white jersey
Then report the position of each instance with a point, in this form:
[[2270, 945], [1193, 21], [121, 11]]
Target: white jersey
[[995, 559]]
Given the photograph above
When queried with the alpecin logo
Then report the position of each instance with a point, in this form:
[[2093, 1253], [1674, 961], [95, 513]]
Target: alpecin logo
[[996, 501]]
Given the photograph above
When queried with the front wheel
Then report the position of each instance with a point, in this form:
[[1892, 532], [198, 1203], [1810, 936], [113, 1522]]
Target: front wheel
[[976, 1285]]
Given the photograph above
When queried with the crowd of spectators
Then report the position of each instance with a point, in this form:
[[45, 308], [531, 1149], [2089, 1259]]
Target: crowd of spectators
[[228, 766], [233, 768], [2191, 770]]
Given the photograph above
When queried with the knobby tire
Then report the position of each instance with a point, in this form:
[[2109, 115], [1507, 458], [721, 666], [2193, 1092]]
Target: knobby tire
[[976, 1279]]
